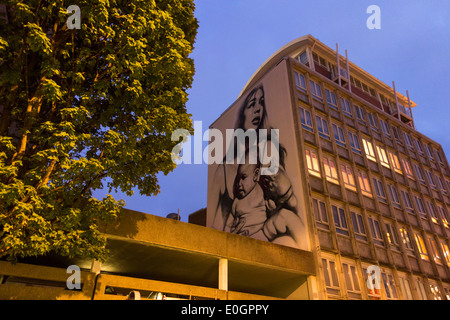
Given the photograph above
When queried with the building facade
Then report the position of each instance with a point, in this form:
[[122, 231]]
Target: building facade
[[370, 192]]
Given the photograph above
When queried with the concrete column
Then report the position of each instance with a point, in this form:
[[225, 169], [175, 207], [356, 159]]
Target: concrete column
[[223, 274]]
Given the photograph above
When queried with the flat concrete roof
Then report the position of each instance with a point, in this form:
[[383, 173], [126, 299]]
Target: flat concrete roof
[[151, 247]]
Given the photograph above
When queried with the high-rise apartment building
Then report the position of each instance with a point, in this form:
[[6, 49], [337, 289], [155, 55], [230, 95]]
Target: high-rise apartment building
[[357, 184]]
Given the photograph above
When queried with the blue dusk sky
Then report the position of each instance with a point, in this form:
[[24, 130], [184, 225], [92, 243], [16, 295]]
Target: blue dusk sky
[[235, 37]]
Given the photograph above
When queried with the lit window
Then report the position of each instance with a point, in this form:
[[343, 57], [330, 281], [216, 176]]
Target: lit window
[[421, 247], [406, 239], [435, 251], [373, 284], [364, 184], [395, 162], [432, 212], [407, 168], [446, 252], [443, 215], [330, 170], [435, 292], [368, 149], [312, 162], [347, 177], [383, 157], [391, 235]]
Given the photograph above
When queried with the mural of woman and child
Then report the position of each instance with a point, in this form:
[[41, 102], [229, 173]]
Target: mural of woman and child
[[248, 203]]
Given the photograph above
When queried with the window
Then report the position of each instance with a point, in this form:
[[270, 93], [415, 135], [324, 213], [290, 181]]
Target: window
[[347, 177], [368, 149], [351, 279], [338, 135], [429, 152], [331, 98], [440, 158], [406, 239], [330, 274], [407, 201], [420, 207], [300, 81], [330, 170], [346, 107], [419, 174], [408, 140], [385, 128], [430, 178], [354, 142], [339, 220], [443, 215], [432, 212], [421, 247], [421, 289], [364, 184], [395, 162], [303, 57], [383, 157], [435, 251], [358, 226], [405, 288], [376, 232], [379, 190], [322, 127], [418, 146], [305, 117], [389, 285], [320, 212], [446, 252], [372, 121], [312, 162], [441, 184], [393, 195], [435, 292], [316, 90], [407, 168], [391, 235], [359, 113], [396, 135], [373, 284]]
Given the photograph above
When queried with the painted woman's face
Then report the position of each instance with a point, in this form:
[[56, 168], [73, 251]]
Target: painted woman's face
[[253, 111]]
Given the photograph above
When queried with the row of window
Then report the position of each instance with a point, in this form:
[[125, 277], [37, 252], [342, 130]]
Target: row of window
[[426, 209], [392, 236], [387, 158], [365, 117], [376, 283]]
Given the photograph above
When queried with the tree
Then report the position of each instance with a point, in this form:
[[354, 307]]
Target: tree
[[83, 109]]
